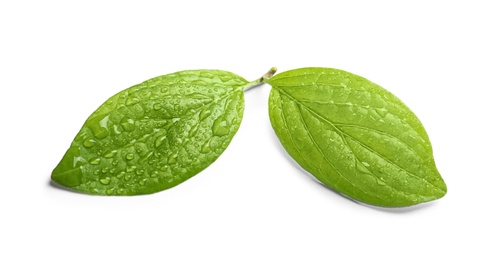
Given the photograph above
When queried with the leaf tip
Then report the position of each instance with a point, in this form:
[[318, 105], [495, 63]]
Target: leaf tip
[[442, 188], [68, 172], [71, 178]]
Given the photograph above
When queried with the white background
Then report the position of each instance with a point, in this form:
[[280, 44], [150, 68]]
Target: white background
[[60, 60]]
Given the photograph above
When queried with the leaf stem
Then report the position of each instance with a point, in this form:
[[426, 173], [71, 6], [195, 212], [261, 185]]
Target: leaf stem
[[261, 80]]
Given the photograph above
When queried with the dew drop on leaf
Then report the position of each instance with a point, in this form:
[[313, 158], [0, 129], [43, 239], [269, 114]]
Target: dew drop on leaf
[[220, 127], [204, 114], [172, 158], [205, 147], [159, 141], [131, 101], [111, 154], [89, 143], [105, 181], [128, 124], [95, 161]]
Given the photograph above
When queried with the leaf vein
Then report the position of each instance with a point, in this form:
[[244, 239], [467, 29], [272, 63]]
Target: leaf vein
[[381, 133], [323, 154], [292, 138], [358, 141]]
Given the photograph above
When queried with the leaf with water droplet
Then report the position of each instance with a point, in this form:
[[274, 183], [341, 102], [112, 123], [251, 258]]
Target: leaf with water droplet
[[166, 120], [354, 136]]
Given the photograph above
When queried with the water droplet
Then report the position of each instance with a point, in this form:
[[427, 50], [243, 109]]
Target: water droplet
[[105, 181], [204, 114], [95, 161], [381, 182], [89, 143], [109, 191], [141, 149], [121, 191], [103, 122], [382, 111], [220, 127], [159, 141], [96, 172], [205, 147], [131, 101], [100, 132], [130, 156], [120, 175], [78, 161], [131, 168], [111, 154], [128, 124], [140, 172], [157, 106], [128, 177], [172, 158], [105, 169], [144, 138], [116, 129], [142, 181], [193, 130], [112, 171], [115, 162], [366, 164], [155, 174]]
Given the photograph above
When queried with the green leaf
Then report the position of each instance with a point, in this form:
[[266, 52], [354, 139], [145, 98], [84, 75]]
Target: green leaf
[[354, 136], [154, 135]]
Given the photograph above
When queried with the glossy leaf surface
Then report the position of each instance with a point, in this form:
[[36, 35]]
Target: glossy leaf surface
[[354, 136], [154, 135]]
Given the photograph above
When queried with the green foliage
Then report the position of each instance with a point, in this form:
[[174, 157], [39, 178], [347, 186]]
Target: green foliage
[[351, 134], [154, 135], [354, 136]]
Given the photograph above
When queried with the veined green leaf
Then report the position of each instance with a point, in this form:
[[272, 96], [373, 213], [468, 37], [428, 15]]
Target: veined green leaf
[[354, 136], [154, 135]]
